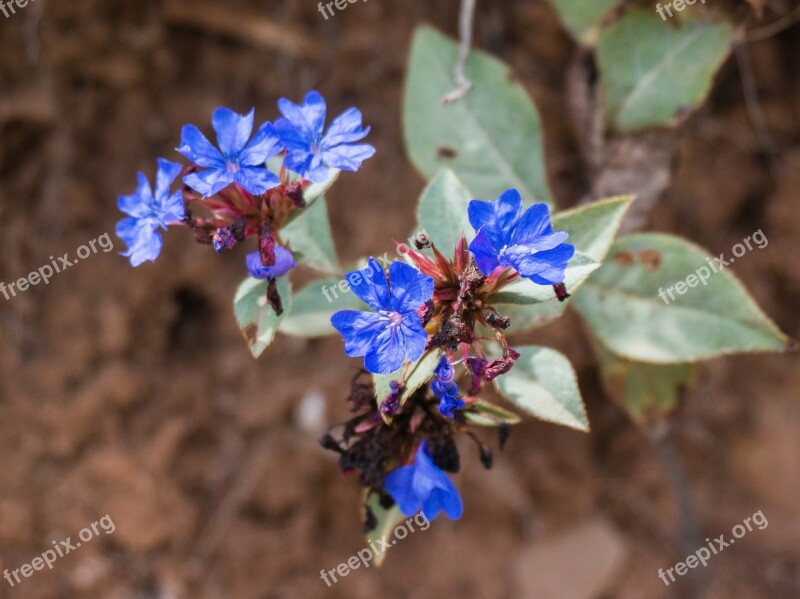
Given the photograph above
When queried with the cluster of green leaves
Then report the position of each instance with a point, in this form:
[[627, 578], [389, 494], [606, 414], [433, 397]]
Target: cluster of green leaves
[[492, 140]]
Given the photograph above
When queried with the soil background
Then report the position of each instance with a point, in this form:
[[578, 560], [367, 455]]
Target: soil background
[[131, 392]]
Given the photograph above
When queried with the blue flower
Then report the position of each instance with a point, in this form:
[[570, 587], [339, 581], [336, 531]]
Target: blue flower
[[445, 388], [423, 485], [393, 333], [239, 160], [524, 242], [284, 262], [148, 212], [310, 153]]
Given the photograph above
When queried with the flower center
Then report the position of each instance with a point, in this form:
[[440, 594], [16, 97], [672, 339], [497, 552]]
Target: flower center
[[394, 318]]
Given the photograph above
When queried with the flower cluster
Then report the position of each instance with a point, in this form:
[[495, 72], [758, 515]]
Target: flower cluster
[[244, 192], [403, 444]]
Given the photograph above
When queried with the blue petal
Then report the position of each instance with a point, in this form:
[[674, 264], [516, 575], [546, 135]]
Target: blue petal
[[428, 476], [126, 229], [414, 336], [291, 137], [298, 161], [345, 128], [209, 182], [534, 230], [447, 499], [145, 245], [255, 179], [307, 165], [347, 157], [172, 208], [398, 483], [264, 145], [387, 352], [140, 203], [197, 149], [484, 252], [167, 172], [548, 266], [372, 287], [359, 329], [308, 117], [232, 129], [410, 288], [497, 217]]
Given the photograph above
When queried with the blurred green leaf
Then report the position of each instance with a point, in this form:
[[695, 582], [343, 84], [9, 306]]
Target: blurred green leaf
[[592, 227], [653, 72], [582, 17], [310, 234], [622, 305], [647, 392], [313, 306], [491, 138], [543, 383], [255, 317], [387, 520], [442, 211]]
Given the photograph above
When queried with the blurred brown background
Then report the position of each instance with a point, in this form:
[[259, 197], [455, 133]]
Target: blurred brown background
[[131, 393]]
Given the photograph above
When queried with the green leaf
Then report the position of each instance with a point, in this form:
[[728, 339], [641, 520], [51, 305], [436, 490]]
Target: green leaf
[[592, 227], [418, 374], [628, 306], [591, 230], [256, 318], [387, 521], [484, 413], [582, 17], [313, 306], [442, 211], [526, 292], [543, 383], [653, 73], [647, 392], [491, 138], [310, 235]]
